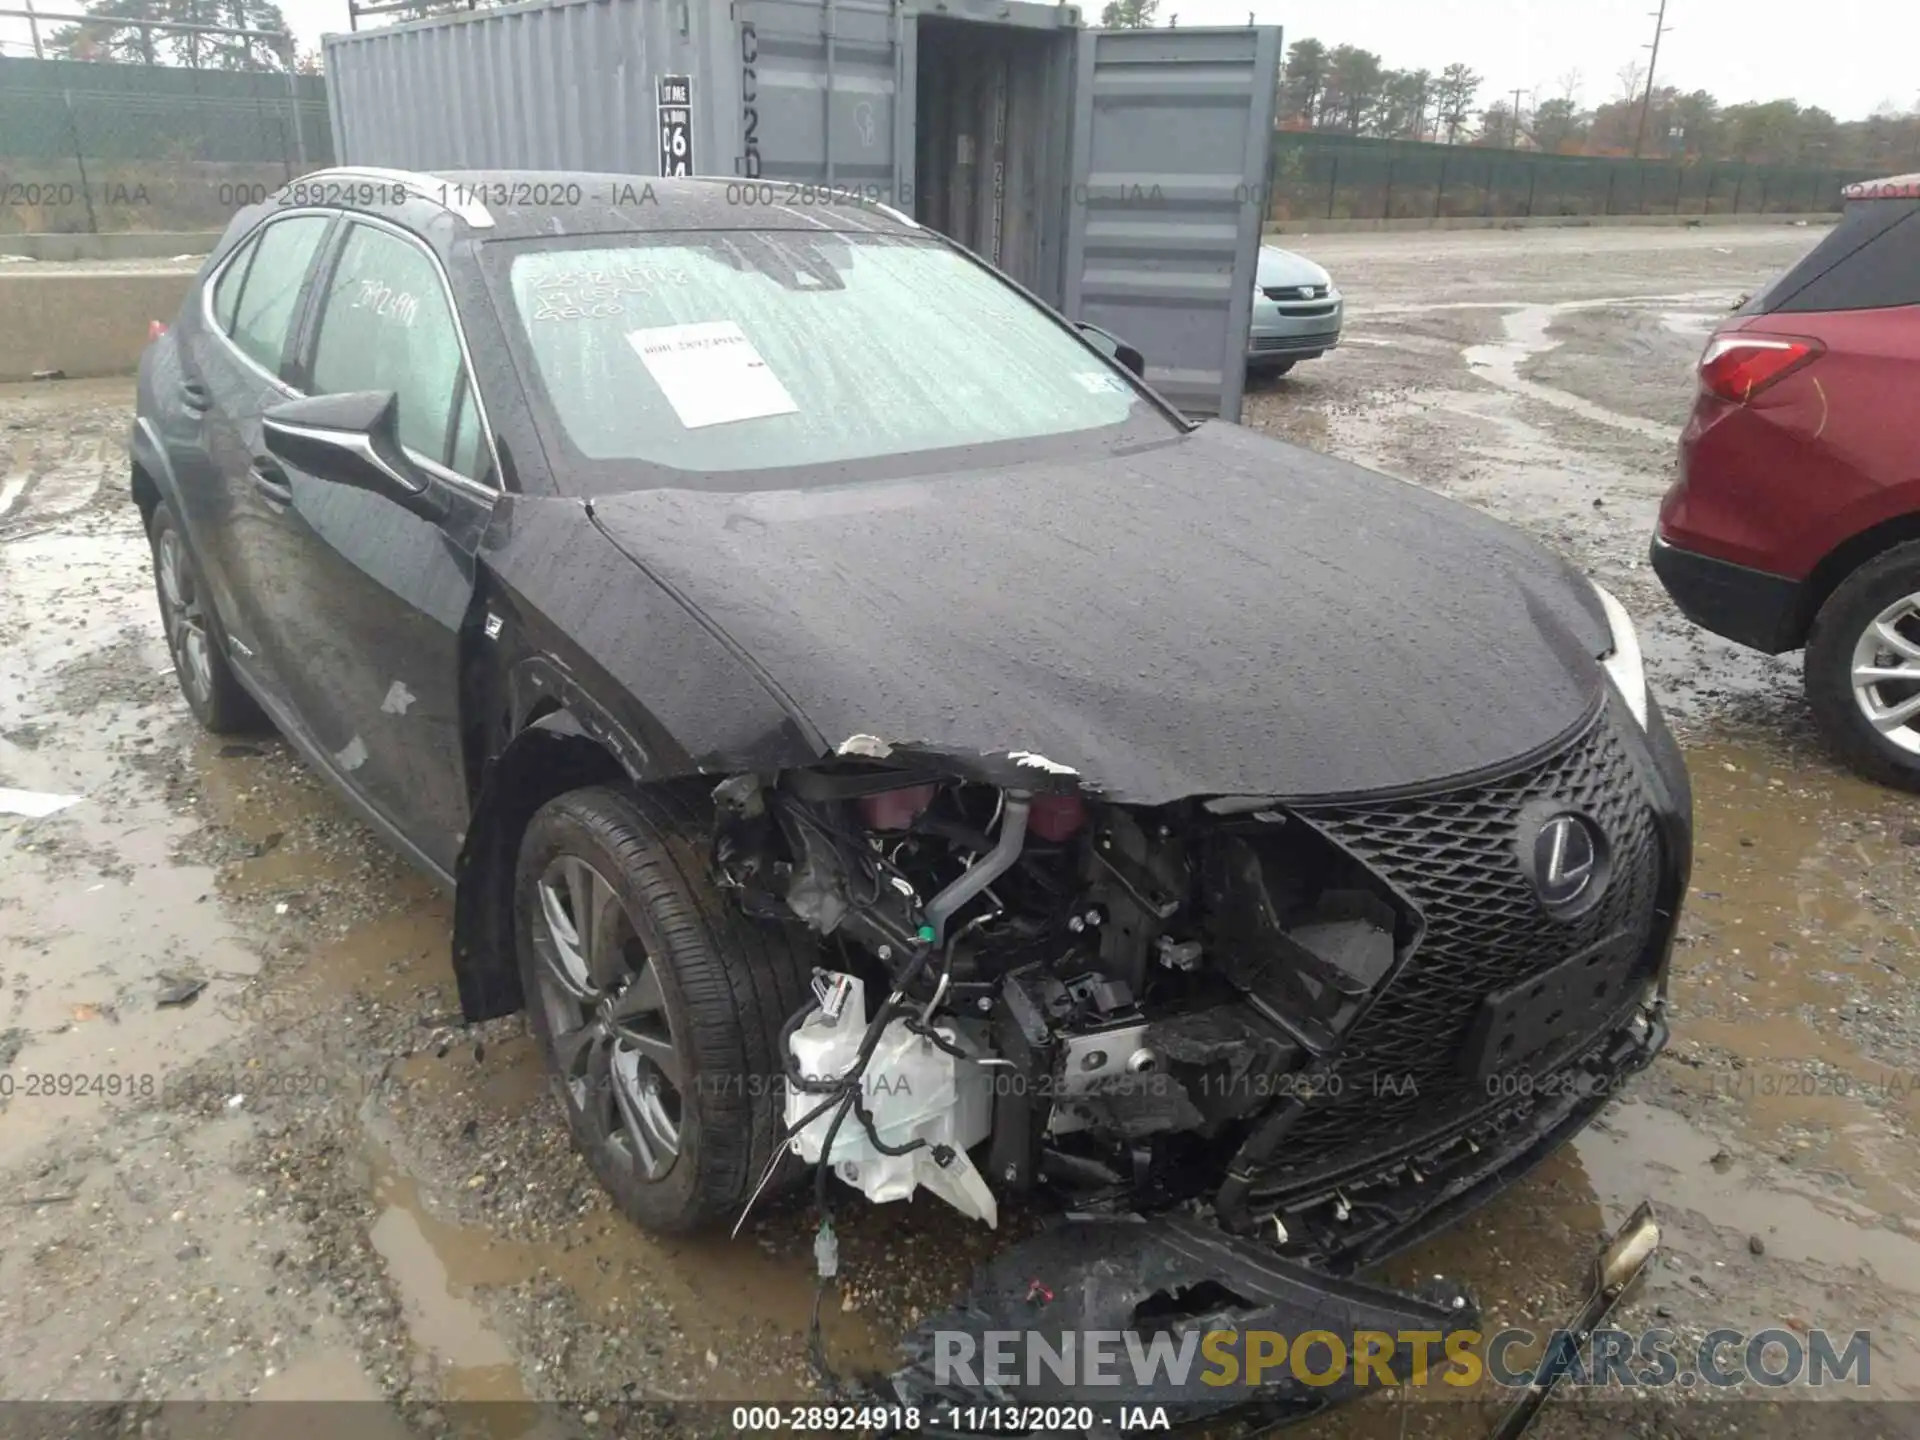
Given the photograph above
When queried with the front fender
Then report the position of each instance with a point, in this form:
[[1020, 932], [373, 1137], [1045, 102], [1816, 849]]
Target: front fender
[[538, 683], [681, 691], [584, 671], [553, 755]]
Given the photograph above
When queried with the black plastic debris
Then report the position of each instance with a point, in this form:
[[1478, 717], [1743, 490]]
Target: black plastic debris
[[1163, 1279], [179, 990]]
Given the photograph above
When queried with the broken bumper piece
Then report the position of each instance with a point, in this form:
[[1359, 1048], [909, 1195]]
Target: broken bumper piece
[[1121, 1311]]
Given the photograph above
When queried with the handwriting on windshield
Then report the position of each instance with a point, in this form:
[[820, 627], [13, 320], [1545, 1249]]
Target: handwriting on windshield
[[599, 293]]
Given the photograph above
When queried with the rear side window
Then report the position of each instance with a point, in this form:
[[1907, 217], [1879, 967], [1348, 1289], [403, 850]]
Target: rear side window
[[226, 293], [272, 287], [1870, 260], [386, 325]]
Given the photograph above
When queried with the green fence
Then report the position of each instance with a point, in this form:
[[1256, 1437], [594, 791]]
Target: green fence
[[86, 146], [1316, 175]]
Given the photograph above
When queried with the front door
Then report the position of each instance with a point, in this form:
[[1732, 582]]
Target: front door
[[1168, 189], [367, 601]]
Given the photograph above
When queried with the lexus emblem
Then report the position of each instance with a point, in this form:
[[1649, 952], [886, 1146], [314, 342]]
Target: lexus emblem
[[1567, 858]]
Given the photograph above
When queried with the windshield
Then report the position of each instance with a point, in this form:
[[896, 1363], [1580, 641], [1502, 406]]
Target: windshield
[[718, 353]]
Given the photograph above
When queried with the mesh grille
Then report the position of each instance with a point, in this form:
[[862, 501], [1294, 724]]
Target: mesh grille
[[1314, 342], [1454, 855]]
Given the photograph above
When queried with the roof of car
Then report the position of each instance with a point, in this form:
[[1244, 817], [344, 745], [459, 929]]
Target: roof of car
[[1892, 187], [518, 204]]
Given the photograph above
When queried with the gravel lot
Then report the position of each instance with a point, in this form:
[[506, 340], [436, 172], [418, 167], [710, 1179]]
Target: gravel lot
[[310, 1182]]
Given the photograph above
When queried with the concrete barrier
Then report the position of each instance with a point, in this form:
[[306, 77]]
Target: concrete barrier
[[120, 245], [80, 321], [1309, 226]]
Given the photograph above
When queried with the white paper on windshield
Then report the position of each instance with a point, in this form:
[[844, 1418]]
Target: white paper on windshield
[[710, 373]]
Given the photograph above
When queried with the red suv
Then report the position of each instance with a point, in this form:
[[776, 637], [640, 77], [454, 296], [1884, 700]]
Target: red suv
[[1796, 518]]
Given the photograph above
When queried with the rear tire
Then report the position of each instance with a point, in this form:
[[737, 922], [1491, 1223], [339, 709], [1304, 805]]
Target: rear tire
[[660, 1017], [195, 641], [1864, 639]]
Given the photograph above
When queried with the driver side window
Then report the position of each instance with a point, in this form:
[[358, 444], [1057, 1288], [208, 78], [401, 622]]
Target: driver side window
[[385, 325]]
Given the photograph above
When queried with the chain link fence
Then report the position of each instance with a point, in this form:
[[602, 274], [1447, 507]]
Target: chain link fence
[[1316, 176], [115, 147], [112, 147]]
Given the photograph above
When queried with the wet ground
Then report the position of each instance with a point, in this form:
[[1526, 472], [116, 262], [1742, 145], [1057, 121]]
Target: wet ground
[[308, 1181]]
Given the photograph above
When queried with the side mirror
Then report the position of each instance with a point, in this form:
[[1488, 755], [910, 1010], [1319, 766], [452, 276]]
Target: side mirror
[[1113, 347], [350, 439]]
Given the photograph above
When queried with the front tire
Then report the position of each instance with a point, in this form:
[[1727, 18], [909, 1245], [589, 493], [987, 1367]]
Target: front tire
[[1863, 668], [656, 1004], [194, 639]]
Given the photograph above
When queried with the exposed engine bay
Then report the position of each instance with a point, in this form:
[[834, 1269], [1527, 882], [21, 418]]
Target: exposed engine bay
[[1248, 1046], [1103, 1000]]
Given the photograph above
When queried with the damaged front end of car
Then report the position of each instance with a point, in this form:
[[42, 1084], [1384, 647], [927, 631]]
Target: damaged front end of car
[[1248, 1045]]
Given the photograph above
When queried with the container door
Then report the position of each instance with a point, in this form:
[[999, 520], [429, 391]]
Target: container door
[[1171, 131], [818, 90]]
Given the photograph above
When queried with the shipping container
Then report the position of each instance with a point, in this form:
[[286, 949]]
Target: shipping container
[[1118, 174]]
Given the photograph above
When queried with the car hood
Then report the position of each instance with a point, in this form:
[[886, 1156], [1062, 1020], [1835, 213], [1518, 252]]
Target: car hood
[[1220, 614], [1283, 267]]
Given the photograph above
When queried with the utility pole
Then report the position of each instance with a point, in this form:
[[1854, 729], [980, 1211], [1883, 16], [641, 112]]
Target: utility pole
[[1513, 132], [33, 24], [1646, 98]]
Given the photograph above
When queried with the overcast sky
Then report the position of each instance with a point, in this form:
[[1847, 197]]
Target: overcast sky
[[1847, 56]]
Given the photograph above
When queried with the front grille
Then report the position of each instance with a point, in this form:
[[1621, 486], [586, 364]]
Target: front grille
[[1305, 309], [1454, 854], [1265, 344], [1295, 292]]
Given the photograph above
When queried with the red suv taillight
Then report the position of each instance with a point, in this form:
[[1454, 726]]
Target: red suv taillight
[[1738, 367]]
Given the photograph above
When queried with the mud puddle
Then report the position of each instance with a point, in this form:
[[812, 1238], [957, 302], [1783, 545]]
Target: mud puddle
[[1529, 336], [97, 922], [712, 1314], [1797, 990], [510, 1273], [441, 1316]]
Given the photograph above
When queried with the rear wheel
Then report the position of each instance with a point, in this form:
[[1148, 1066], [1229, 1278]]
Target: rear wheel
[[193, 635], [657, 1005], [1863, 668]]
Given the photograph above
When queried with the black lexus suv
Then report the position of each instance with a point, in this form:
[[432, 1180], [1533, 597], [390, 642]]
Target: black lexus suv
[[813, 662]]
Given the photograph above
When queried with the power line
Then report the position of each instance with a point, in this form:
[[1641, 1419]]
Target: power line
[[1660, 27]]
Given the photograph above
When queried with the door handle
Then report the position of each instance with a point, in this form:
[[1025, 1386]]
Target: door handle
[[271, 481], [195, 396]]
